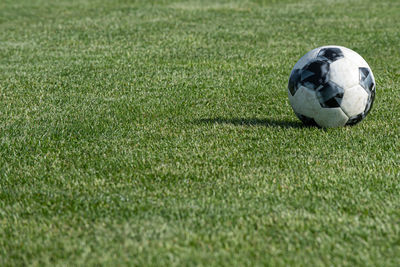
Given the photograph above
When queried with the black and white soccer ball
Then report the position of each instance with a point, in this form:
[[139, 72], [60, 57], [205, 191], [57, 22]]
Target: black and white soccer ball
[[331, 86]]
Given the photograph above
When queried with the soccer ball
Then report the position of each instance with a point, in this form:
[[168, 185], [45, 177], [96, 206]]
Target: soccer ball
[[331, 86]]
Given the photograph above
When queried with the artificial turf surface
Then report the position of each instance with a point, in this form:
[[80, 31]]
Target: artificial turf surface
[[160, 133]]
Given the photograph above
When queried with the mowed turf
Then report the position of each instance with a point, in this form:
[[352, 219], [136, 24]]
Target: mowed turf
[[160, 133]]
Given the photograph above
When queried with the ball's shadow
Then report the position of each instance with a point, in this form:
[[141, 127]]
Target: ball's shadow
[[253, 122]]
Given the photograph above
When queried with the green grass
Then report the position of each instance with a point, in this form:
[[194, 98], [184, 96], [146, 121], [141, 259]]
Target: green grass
[[160, 133]]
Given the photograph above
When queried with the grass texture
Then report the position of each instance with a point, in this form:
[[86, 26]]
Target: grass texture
[[159, 133]]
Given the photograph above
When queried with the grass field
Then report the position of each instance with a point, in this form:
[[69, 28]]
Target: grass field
[[160, 133]]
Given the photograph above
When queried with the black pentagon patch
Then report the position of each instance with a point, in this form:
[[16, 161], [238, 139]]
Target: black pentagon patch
[[330, 95], [314, 74], [306, 120], [355, 119], [364, 72], [370, 102], [294, 81], [366, 80], [331, 54]]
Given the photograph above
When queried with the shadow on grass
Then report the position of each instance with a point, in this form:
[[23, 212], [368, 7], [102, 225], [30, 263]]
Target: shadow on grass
[[253, 122]]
